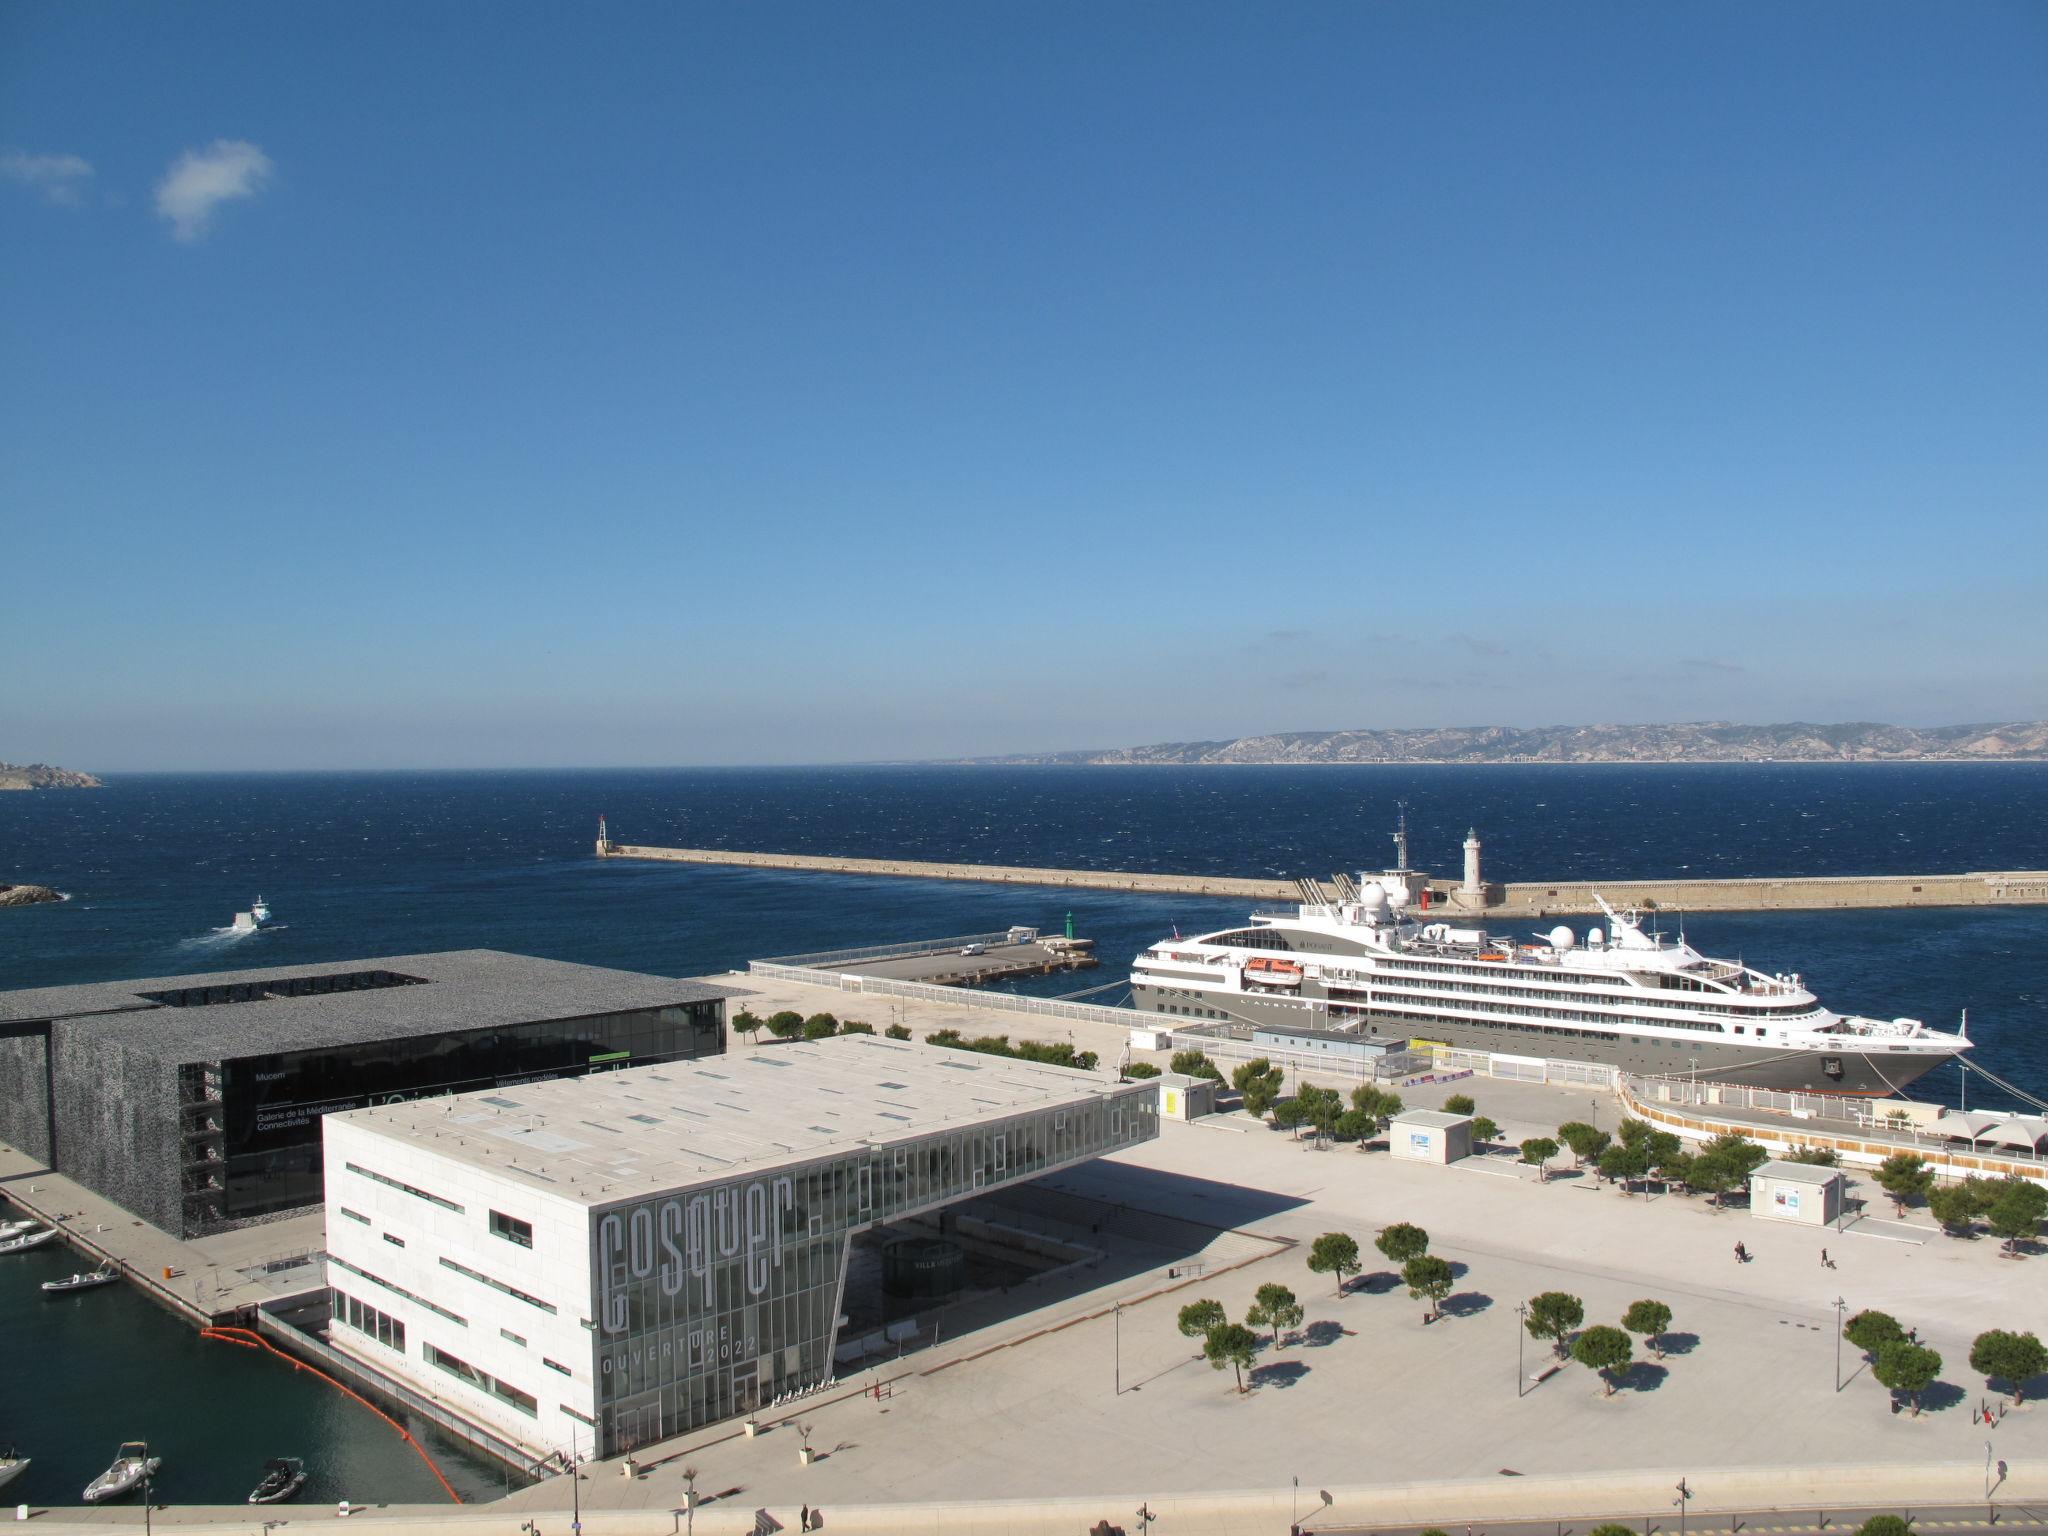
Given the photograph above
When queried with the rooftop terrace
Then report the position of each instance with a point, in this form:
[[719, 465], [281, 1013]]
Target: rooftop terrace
[[301, 1007], [614, 1135]]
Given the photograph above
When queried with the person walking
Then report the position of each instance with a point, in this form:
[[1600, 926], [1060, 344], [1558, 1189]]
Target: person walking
[[1824, 1261]]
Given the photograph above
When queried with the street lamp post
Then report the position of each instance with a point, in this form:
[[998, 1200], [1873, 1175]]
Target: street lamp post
[[1840, 1307], [1684, 1493], [147, 1497], [1521, 1319], [1117, 1316]]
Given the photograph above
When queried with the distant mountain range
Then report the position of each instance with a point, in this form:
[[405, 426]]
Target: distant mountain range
[[43, 776], [1711, 741]]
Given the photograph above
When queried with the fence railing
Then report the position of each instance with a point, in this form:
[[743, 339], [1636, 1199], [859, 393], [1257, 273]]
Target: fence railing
[[958, 997], [826, 957]]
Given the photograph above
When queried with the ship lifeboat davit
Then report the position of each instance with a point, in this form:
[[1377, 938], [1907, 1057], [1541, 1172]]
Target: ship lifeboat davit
[[1269, 972]]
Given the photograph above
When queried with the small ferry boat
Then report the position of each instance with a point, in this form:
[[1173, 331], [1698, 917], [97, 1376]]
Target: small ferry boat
[[282, 1478], [104, 1275], [133, 1465], [28, 1240], [258, 916], [11, 1466]]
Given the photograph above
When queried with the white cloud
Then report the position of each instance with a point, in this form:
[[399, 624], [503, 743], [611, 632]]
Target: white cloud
[[60, 178], [200, 180]]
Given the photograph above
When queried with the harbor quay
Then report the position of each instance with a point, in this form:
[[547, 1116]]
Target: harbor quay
[[1528, 898]]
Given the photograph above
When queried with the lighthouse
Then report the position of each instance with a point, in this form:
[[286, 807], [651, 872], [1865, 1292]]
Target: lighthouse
[[1474, 888]]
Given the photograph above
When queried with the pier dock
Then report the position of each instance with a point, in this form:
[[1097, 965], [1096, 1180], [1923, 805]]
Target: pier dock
[[1532, 898]]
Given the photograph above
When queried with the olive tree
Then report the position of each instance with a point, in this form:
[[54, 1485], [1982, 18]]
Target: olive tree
[[1198, 1317], [1401, 1242], [1230, 1344], [1428, 1276], [1539, 1150], [1905, 1176], [1275, 1307], [1553, 1315], [1459, 1104], [1334, 1253], [1587, 1142], [1194, 1064], [1652, 1319], [1871, 1330], [2013, 1358], [1904, 1366], [1605, 1349], [2015, 1212]]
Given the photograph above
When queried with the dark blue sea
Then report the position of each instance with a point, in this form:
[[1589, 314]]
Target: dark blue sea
[[361, 865], [364, 865]]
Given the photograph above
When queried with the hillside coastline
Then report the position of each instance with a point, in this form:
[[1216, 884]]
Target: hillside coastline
[[1702, 742]]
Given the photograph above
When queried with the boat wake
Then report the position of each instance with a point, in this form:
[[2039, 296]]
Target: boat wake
[[220, 938]]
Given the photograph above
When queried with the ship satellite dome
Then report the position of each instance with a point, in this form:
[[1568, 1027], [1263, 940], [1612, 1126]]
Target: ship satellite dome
[[1395, 892], [1561, 937], [1595, 938]]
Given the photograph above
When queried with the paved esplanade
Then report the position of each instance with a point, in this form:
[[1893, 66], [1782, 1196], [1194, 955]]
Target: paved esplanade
[[1370, 1396]]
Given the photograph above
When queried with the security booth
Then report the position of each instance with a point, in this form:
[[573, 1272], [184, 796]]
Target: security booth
[[1186, 1098], [1801, 1192], [1430, 1136]]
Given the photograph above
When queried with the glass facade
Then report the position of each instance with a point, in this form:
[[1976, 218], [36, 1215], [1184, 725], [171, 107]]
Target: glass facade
[[715, 1300], [252, 1131]]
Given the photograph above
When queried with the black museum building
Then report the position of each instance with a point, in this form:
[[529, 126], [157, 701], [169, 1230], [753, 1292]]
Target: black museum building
[[196, 1101]]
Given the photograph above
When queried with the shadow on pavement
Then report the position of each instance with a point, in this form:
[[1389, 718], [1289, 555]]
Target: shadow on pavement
[[1278, 1373], [1643, 1376], [1679, 1343], [1465, 1304]]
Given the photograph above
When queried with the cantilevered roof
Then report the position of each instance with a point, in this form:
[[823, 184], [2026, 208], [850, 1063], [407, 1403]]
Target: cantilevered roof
[[614, 1136], [224, 1014]]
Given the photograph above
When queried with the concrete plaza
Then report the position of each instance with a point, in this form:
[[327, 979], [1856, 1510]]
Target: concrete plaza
[[1367, 1393]]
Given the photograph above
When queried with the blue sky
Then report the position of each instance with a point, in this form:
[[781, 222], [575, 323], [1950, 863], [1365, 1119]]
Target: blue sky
[[464, 384]]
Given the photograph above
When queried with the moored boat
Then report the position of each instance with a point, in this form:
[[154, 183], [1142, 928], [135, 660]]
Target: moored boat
[[16, 1228], [282, 1478], [11, 1466], [104, 1275], [1373, 961], [28, 1240], [132, 1466]]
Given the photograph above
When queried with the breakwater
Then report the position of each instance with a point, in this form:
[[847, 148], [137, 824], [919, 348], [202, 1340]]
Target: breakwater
[[1532, 898]]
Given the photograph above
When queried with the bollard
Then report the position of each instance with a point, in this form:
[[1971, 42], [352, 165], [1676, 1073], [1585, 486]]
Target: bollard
[[343, 1510]]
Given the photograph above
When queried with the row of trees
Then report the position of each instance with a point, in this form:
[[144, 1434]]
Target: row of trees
[[1234, 1344], [2011, 1208], [1903, 1365], [1556, 1316], [791, 1025], [1638, 1151], [1058, 1053], [1404, 1244]]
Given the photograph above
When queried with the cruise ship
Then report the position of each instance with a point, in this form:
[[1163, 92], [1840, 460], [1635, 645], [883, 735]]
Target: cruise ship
[[1373, 963]]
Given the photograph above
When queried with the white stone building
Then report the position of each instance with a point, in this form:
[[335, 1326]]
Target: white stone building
[[613, 1259]]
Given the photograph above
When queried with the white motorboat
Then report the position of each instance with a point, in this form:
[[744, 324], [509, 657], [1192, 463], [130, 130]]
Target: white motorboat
[[104, 1275], [28, 1240], [16, 1228], [131, 1468], [11, 1467]]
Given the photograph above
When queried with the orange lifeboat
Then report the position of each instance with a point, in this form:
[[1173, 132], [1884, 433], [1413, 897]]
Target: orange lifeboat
[[1272, 973]]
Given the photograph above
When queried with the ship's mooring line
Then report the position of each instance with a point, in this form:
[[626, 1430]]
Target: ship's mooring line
[[246, 1339]]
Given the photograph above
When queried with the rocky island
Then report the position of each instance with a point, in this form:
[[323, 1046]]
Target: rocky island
[[1701, 742], [27, 895], [43, 776]]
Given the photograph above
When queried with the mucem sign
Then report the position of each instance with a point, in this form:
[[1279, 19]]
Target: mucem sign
[[714, 1301]]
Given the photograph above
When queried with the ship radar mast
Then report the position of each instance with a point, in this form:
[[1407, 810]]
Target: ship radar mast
[[1401, 839]]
